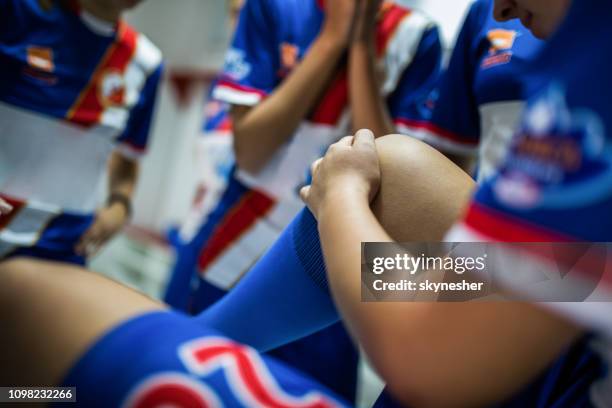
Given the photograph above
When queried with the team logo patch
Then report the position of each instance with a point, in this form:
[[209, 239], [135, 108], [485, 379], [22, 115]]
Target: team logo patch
[[558, 159], [289, 56], [236, 65], [500, 51], [112, 88], [247, 375], [40, 58]]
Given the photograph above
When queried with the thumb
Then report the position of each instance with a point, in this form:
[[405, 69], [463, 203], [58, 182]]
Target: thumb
[[304, 193], [363, 138]]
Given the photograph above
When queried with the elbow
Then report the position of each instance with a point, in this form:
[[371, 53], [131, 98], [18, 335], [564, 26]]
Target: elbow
[[248, 158]]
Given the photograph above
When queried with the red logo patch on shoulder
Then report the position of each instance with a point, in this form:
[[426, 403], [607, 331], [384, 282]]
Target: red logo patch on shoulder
[[112, 88]]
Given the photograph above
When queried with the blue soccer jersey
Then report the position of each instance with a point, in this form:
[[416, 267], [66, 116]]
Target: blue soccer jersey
[[74, 89], [556, 183], [481, 96]]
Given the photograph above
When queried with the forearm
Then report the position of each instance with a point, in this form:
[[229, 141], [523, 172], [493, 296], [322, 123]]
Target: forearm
[[368, 105], [342, 229], [122, 175], [414, 346], [266, 127]]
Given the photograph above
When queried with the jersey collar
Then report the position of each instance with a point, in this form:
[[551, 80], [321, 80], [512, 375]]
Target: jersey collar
[[93, 23], [98, 26]]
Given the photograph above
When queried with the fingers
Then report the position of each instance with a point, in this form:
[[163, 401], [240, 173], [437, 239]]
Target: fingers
[[364, 138], [83, 246], [91, 242], [5, 207], [346, 141], [315, 166], [304, 193]]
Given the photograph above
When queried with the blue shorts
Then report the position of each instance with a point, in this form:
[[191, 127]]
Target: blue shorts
[[67, 256], [57, 241], [166, 359]]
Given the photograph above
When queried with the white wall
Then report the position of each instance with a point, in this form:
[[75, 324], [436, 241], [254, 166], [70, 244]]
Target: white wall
[[193, 35], [448, 13]]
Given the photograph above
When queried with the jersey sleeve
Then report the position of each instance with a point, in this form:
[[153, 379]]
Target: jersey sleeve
[[10, 20], [253, 61], [133, 142], [410, 105], [454, 126]]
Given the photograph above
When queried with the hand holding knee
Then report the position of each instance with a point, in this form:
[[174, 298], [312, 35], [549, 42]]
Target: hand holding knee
[[349, 170]]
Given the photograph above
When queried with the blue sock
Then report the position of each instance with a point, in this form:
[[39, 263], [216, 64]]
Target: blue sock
[[284, 297], [184, 270]]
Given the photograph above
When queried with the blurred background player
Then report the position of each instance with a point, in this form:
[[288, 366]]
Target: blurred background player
[[287, 77], [77, 100], [481, 94]]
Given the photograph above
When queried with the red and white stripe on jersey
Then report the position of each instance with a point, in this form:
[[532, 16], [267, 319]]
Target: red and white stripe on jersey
[[482, 224], [24, 225], [437, 137], [498, 226], [243, 236], [116, 85], [247, 375], [237, 94], [242, 217]]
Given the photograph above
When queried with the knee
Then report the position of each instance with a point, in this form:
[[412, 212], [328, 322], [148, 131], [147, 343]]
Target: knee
[[422, 192]]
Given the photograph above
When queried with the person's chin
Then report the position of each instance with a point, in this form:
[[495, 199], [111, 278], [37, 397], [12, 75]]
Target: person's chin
[[538, 31]]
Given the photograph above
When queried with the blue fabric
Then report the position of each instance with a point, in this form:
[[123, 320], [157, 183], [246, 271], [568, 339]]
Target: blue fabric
[[481, 72], [179, 291], [560, 163], [137, 130], [411, 98], [59, 239], [187, 366], [291, 279]]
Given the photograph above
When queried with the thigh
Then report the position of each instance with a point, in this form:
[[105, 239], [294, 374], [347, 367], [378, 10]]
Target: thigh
[[51, 312]]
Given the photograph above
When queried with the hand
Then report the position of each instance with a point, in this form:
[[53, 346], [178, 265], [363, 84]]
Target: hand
[[5, 207], [339, 19], [365, 20], [349, 170], [107, 223]]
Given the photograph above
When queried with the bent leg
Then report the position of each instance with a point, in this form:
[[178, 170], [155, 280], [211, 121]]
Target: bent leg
[[119, 348], [50, 313], [55, 311], [285, 296]]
